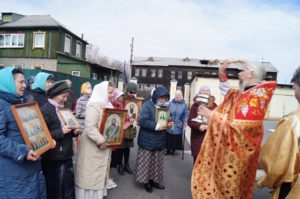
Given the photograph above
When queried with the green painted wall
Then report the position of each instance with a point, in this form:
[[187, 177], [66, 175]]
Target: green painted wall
[[67, 65], [51, 46]]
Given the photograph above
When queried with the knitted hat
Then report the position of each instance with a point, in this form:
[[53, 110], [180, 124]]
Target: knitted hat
[[131, 86], [58, 88]]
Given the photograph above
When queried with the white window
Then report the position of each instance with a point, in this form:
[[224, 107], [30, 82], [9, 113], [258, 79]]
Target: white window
[[39, 39], [179, 88], [137, 72], [68, 44], [78, 49], [105, 78], [160, 73], [12, 40], [153, 72], [143, 86], [144, 72], [94, 75], [172, 74], [179, 74], [189, 75], [76, 73]]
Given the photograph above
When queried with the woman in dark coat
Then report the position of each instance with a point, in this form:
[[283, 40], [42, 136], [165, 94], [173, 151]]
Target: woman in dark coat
[[21, 175], [151, 142], [198, 130], [57, 163]]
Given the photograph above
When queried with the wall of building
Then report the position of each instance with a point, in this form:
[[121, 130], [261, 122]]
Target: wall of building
[[30, 63], [67, 65]]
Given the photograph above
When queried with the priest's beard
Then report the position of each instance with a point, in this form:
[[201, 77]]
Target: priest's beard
[[243, 84]]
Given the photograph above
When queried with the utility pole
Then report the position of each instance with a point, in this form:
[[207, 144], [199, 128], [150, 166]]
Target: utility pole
[[131, 56]]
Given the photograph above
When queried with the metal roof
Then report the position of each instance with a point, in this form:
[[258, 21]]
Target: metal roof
[[189, 62], [35, 21]]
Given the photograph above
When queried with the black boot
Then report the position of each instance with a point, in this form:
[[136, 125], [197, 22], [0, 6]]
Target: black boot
[[148, 187], [127, 169], [121, 169], [156, 185]]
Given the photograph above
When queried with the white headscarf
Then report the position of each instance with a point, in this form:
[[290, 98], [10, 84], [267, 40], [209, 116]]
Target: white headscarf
[[100, 93]]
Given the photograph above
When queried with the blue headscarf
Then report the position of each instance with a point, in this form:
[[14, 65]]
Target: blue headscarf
[[7, 81], [40, 80]]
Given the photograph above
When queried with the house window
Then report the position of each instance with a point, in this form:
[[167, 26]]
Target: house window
[[11, 40], [143, 86], [179, 74], [78, 49], [137, 72], [153, 72], [178, 88], [144, 72], [189, 75], [39, 40], [105, 78], [67, 44], [95, 76], [76, 73], [160, 73], [172, 74]]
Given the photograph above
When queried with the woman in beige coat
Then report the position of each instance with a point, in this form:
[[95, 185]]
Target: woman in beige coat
[[93, 155]]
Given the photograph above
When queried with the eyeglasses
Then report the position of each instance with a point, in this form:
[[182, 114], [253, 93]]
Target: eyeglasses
[[132, 92]]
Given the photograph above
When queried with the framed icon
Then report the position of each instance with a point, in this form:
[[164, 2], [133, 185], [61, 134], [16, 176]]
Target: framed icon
[[112, 126], [33, 127], [69, 118], [133, 107], [162, 116]]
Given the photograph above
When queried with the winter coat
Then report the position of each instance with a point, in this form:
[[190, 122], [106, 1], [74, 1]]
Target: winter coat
[[92, 163], [148, 138], [179, 114], [64, 142], [19, 178], [39, 96], [197, 136], [80, 109]]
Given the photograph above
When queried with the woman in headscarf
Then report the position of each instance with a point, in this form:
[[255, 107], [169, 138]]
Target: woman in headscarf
[[93, 155], [43, 81], [179, 114], [57, 163], [86, 91], [20, 168], [152, 142], [198, 130]]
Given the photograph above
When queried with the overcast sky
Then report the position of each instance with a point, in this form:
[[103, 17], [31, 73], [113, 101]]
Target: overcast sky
[[267, 30]]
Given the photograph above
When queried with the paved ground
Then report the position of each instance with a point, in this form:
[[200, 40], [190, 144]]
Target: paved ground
[[177, 175]]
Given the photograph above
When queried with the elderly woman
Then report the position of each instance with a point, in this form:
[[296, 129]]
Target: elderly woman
[[179, 114], [57, 163], [152, 142], [86, 91], [198, 130], [20, 168], [92, 163]]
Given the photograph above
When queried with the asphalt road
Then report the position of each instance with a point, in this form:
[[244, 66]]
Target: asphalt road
[[177, 176]]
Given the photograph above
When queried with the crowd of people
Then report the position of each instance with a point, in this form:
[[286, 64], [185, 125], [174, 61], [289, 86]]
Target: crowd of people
[[225, 138]]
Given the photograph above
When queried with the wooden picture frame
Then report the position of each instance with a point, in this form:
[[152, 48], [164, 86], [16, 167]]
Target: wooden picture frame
[[33, 127], [69, 118], [112, 126], [133, 107], [161, 117]]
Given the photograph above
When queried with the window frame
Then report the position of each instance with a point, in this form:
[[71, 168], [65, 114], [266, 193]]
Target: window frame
[[144, 72], [76, 71], [173, 74], [189, 75], [137, 72], [34, 45], [153, 72], [80, 49], [67, 36], [160, 75], [179, 74], [19, 36]]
